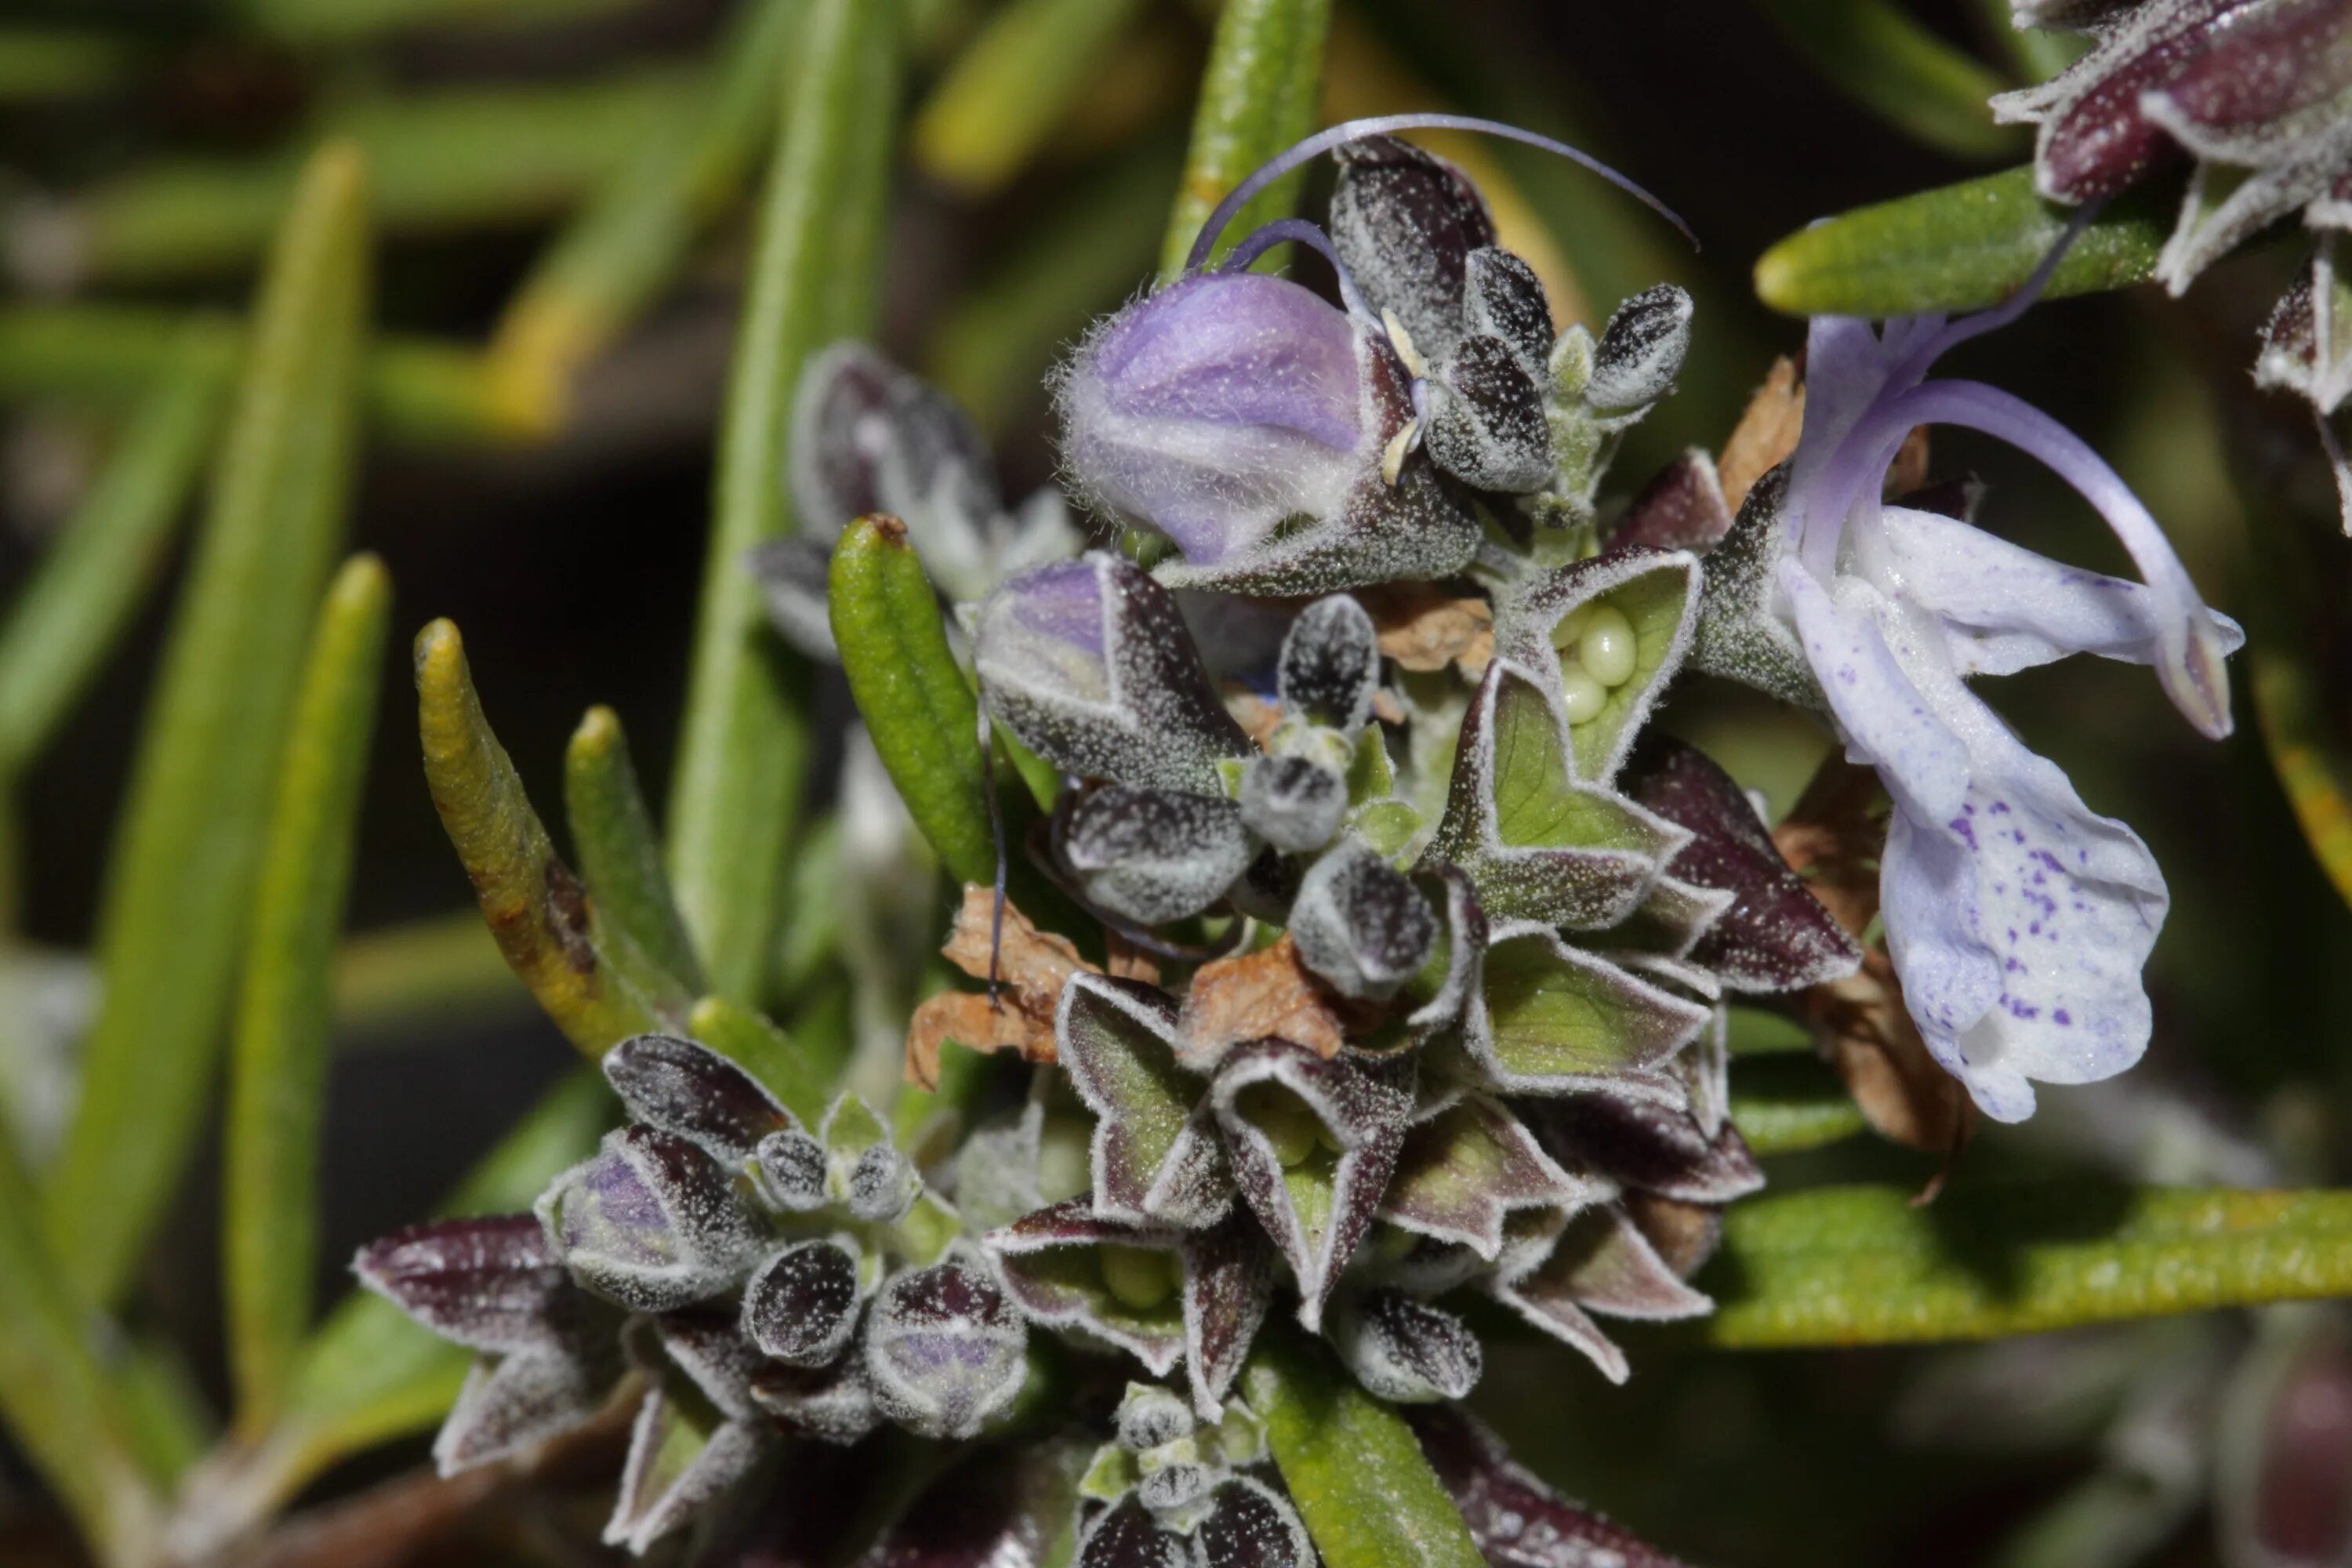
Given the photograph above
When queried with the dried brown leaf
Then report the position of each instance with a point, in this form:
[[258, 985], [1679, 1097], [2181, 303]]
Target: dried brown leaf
[[1030, 969], [1767, 433], [1422, 627], [1260, 996]]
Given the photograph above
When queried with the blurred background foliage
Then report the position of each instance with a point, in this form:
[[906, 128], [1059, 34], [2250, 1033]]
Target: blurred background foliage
[[560, 195]]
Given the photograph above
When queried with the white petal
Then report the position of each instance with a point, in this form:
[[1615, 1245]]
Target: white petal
[[2020, 925], [1887, 721], [2006, 608]]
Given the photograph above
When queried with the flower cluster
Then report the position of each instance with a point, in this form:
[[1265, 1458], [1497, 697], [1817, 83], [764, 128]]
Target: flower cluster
[[2256, 95], [1389, 993], [763, 1278]]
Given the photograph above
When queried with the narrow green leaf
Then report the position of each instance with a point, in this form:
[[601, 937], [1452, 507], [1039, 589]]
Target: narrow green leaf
[[588, 973], [741, 748], [277, 1063], [1846, 1266], [451, 159], [369, 1375], [60, 628], [1874, 54], [414, 389], [1260, 94], [616, 254], [1011, 86], [1961, 247], [1351, 1465], [620, 855], [752, 1043], [68, 1412], [1783, 1104], [911, 693], [166, 1412], [184, 855]]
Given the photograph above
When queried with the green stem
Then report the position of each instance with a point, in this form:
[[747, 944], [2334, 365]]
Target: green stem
[[742, 749], [184, 859], [278, 1077]]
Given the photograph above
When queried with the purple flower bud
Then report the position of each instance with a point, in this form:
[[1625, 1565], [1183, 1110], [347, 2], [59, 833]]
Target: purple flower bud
[[1406, 1351], [944, 1351], [1226, 404], [803, 1307], [652, 1223], [1089, 662], [1152, 855]]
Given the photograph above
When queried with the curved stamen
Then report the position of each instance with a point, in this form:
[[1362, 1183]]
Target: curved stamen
[[1339, 135], [2191, 668], [1297, 231]]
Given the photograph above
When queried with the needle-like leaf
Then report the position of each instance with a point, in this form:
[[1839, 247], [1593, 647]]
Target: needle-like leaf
[[184, 857], [277, 1072], [1260, 95]]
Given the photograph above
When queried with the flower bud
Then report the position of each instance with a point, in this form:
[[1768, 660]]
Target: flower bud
[[1331, 665], [1406, 1351], [1640, 351], [1217, 409], [1087, 661], [1152, 855], [1294, 803], [803, 1307], [944, 1350], [1361, 924], [652, 1223]]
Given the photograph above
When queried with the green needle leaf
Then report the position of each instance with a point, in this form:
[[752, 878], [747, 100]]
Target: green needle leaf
[[1900, 71], [914, 696], [1011, 86], [1260, 94], [741, 748], [184, 855], [619, 856], [1351, 1465], [588, 973], [61, 627], [1961, 247], [415, 390], [627, 242], [68, 1412], [1847, 1265], [278, 1065]]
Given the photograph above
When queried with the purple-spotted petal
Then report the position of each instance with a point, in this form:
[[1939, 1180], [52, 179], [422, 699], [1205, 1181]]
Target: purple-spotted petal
[[1313, 1183], [2018, 925]]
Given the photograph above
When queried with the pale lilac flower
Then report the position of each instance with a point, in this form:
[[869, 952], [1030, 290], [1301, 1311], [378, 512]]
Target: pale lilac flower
[[2018, 918]]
